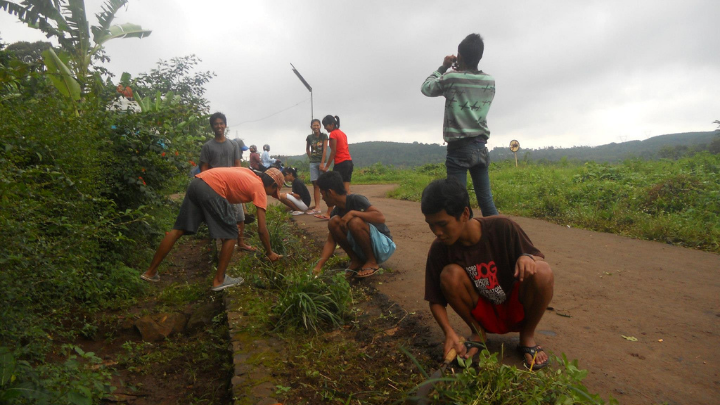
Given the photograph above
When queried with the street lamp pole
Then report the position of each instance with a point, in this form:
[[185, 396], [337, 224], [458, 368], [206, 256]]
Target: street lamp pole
[[312, 114]]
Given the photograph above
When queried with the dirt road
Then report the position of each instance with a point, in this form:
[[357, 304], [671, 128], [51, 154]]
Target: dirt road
[[606, 286]]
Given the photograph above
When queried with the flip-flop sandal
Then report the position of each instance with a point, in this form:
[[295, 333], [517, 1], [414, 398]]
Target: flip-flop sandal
[[532, 350], [323, 217], [372, 272], [314, 212], [349, 273], [247, 248], [153, 279]]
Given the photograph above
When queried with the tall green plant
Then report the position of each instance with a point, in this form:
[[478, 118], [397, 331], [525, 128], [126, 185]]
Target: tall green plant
[[67, 22]]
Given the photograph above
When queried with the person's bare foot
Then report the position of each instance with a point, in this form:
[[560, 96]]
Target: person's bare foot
[[246, 247]]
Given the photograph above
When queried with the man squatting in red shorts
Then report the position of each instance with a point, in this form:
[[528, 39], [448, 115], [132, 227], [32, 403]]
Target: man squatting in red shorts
[[487, 269]]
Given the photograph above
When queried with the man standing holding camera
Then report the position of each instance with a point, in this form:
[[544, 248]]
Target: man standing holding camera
[[468, 94]]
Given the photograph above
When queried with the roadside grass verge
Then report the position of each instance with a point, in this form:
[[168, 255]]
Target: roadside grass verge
[[675, 202]]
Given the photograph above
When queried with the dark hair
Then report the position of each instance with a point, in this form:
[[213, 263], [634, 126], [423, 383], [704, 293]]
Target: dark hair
[[267, 180], [216, 116], [445, 194], [290, 170], [471, 48], [329, 119], [315, 119], [331, 181]]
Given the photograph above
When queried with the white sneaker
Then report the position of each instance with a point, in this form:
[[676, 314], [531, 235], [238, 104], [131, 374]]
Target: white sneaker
[[297, 212], [228, 282]]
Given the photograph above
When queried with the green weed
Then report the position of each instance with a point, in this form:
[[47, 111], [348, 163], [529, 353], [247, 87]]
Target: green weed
[[311, 302], [492, 383]]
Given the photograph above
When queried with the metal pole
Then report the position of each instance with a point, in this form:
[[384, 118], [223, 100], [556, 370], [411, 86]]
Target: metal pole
[[302, 79]]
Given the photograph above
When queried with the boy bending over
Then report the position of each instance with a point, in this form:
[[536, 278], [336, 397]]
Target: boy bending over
[[356, 225], [487, 269], [209, 199]]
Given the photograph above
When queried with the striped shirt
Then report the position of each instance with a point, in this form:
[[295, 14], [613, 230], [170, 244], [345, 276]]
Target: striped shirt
[[468, 96]]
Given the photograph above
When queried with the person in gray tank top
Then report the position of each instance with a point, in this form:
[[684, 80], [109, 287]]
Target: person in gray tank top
[[224, 152]]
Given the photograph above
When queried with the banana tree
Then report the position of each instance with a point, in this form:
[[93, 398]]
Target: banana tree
[[67, 22]]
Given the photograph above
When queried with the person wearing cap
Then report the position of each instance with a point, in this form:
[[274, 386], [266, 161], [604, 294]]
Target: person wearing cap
[[209, 199]]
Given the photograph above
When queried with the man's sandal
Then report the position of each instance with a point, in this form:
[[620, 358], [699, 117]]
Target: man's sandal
[[370, 272], [153, 279], [532, 351]]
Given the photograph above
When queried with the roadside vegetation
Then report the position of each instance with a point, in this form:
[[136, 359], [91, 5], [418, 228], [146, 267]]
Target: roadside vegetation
[[670, 201], [343, 342], [83, 193]]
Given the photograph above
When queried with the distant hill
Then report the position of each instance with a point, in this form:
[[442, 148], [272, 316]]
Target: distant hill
[[615, 152], [418, 154]]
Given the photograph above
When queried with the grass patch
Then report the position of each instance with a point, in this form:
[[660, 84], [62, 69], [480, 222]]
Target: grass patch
[[311, 302], [182, 293], [675, 202]]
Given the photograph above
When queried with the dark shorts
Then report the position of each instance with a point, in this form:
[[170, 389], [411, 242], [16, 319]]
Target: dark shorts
[[502, 318], [203, 204], [345, 169]]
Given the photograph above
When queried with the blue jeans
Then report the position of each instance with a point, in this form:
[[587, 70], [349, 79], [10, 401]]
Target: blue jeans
[[472, 154]]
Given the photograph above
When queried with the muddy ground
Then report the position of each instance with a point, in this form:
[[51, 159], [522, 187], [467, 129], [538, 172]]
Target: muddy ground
[[192, 367], [606, 287]]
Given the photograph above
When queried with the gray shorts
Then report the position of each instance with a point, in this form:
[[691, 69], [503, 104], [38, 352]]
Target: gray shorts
[[203, 204], [314, 171], [239, 213]]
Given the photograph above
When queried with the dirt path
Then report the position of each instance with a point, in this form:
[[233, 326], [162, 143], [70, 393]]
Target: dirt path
[[606, 286]]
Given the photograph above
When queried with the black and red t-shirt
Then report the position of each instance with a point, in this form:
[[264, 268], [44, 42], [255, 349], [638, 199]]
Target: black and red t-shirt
[[490, 263]]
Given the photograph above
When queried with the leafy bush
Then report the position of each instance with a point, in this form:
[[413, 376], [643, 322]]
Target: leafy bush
[[83, 195], [79, 380]]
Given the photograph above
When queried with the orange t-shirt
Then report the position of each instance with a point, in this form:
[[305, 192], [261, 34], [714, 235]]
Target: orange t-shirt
[[342, 152], [236, 184]]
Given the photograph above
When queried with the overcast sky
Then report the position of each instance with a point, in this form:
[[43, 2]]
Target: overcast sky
[[567, 72]]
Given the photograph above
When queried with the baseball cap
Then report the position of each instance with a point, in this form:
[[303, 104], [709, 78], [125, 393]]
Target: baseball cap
[[278, 177]]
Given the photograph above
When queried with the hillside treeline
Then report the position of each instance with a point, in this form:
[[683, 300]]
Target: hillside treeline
[[671, 146]]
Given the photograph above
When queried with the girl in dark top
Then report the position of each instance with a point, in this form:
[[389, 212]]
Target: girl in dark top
[[299, 198]]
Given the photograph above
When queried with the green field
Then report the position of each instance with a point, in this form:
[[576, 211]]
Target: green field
[[672, 201]]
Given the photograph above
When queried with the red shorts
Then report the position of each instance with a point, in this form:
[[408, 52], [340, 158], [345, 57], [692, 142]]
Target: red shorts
[[502, 318]]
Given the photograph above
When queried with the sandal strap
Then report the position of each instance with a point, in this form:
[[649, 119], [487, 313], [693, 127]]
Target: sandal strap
[[531, 350]]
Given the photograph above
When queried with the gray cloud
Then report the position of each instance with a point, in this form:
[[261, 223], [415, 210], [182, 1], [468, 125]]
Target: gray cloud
[[568, 73]]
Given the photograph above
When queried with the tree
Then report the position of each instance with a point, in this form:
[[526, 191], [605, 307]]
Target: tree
[[68, 23], [28, 52]]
